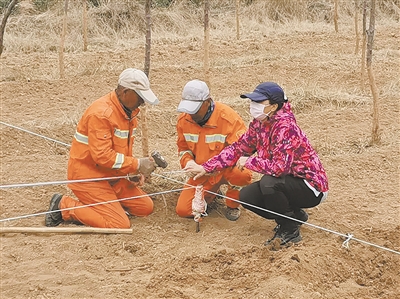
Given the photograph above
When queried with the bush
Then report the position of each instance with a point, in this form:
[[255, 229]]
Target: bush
[[43, 5]]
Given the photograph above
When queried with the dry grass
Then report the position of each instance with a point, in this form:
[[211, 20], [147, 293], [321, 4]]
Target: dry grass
[[120, 24], [116, 30]]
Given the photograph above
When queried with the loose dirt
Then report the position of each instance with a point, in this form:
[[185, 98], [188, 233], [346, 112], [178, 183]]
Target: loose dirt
[[165, 257]]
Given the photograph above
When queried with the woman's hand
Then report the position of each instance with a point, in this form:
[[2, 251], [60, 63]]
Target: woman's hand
[[241, 162], [195, 170]]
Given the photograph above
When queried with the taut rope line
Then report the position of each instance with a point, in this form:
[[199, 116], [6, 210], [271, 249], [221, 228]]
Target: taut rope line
[[26, 131], [347, 236], [345, 243], [91, 205], [60, 182]]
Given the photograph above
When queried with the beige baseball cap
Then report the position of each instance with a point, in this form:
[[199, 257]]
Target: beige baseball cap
[[137, 80]]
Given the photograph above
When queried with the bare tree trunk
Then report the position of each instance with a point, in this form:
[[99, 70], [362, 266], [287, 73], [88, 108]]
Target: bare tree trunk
[[364, 45], [207, 42], [237, 19], [143, 111], [356, 27], [375, 114], [7, 13], [335, 16], [62, 41], [84, 25]]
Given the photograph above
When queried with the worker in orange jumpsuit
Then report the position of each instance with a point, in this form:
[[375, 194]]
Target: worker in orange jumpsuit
[[204, 128], [102, 147]]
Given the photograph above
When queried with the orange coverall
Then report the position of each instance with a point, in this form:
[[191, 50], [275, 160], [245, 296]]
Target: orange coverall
[[198, 143], [102, 147]]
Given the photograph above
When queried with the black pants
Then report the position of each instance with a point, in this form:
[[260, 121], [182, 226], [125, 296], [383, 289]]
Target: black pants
[[283, 195]]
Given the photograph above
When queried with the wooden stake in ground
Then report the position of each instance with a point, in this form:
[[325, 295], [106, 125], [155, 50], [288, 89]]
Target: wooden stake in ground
[[84, 25], [237, 11], [375, 114], [7, 13], [143, 110], [64, 230], [207, 42], [62, 41], [356, 26], [364, 45], [336, 16]]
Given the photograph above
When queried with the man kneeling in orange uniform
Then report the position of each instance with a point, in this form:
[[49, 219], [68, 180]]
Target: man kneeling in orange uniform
[[204, 128], [103, 147]]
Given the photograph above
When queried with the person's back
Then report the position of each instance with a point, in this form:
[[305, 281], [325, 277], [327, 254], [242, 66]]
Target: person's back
[[204, 129]]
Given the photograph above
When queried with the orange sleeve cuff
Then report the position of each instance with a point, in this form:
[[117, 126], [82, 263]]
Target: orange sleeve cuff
[[186, 158]]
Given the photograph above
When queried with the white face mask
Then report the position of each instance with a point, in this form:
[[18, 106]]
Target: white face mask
[[257, 111]]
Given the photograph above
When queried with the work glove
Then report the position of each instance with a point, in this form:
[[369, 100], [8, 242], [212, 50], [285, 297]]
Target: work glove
[[241, 162], [190, 164], [195, 170], [146, 166]]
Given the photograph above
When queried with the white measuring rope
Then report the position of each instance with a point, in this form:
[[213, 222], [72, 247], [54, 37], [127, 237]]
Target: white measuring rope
[[347, 236], [60, 182], [345, 243], [93, 204], [75, 181], [48, 138], [174, 171]]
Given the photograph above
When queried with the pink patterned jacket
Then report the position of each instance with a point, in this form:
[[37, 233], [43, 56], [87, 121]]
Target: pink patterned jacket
[[282, 149]]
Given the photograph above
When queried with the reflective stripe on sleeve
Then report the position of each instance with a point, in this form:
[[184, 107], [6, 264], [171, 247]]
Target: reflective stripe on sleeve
[[182, 153], [119, 160], [215, 138], [81, 138]]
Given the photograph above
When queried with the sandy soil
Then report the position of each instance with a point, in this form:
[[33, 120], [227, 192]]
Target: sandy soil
[[165, 257]]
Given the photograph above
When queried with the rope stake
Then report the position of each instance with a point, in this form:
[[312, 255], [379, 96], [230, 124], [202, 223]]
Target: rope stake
[[199, 206], [346, 242]]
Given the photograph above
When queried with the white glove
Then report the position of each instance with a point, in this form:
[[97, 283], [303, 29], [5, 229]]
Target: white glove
[[194, 170], [241, 162], [190, 164]]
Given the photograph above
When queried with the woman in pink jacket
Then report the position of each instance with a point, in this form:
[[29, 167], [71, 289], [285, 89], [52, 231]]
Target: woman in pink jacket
[[293, 176]]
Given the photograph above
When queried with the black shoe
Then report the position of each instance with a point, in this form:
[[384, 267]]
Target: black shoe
[[232, 214], [290, 234], [55, 218]]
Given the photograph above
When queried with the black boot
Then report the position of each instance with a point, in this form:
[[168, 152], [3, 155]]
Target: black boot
[[54, 218]]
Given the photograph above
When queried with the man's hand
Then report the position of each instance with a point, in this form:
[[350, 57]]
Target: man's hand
[[195, 170], [146, 166], [241, 162], [136, 179]]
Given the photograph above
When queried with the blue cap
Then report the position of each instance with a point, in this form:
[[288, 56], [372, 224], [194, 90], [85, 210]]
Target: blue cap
[[267, 91]]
